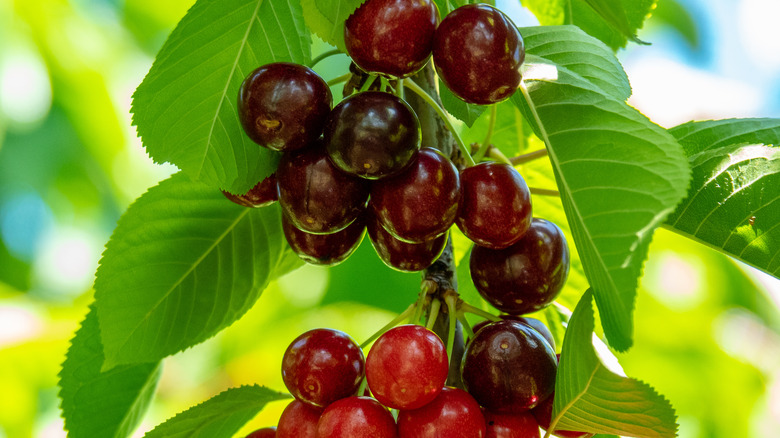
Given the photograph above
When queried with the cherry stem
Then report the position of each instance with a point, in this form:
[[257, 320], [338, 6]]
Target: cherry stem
[[340, 79], [466, 326], [440, 111], [531, 156], [400, 90], [397, 320], [483, 148], [466, 307], [544, 192], [362, 387], [434, 313], [324, 55], [498, 155], [369, 81], [451, 300]]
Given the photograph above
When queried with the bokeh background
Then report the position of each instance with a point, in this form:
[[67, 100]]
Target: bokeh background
[[707, 328]]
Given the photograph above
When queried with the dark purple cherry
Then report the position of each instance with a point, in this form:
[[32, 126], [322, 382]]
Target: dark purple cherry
[[407, 257], [322, 366], [508, 367], [422, 201], [262, 194], [283, 106], [495, 209], [528, 275], [520, 425], [452, 414], [477, 52], [543, 415], [356, 417], [324, 249], [531, 322], [266, 432], [372, 135], [298, 420], [316, 196], [391, 37]]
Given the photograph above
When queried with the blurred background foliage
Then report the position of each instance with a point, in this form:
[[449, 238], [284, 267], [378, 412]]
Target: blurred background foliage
[[707, 328]]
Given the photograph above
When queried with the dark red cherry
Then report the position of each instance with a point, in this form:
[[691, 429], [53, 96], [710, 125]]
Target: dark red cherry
[[324, 249], [407, 367], [532, 322], [528, 275], [495, 209], [298, 420], [283, 106], [356, 417], [262, 194], [407, 257], [422, 201], [322, 366], [520, 425], [391, 37], [543, 415], [477, 52], [316, 196], [452, 414], [508, 367], [372, 135], [266, 432]]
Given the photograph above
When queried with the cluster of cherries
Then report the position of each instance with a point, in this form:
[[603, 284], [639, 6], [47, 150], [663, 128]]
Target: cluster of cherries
[[508, 370]]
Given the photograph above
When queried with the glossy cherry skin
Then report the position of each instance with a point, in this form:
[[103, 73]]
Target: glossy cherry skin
[[508, 367], [531, 322], [283, 106], [298, 420], [402, 256], [266, 432], [262, 194], [543, 415], [528, 275], [406, 367], [477, 52], [372, 135], [322, 366], [356, 417], [421, 202], [495, 209], [324, 249], [520, 425], [391, 37], [453, 414], [316, 196]]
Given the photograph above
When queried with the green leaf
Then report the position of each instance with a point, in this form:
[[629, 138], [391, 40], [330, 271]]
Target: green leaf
[[612, 21], [619, 176], [326, 19], [734, 201], [102, 404], [614, 13], [591, 398], [674, 14], [219, 417], [465, 112], [185, 108], [182, 264], [548, 12]]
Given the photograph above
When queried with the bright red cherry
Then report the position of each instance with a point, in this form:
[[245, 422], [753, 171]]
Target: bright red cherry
[[283, 106], [391, 37], [531, 322], [372, 135], [477, 52], [324, 249], [314, 195], [266, 432], [322, 366], [520, 425], [543, 415], [407, 367], [422, 201], [262, 194], [298, 420], [356, 417], [495, 209], [508, 367], [407, 257], [526, 276], [453, 414]]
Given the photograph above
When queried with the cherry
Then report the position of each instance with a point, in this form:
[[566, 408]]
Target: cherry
[[317, 197], [543, 415], [477, 52], [356, 417], [266, 432], [298, 420], [531, 322], [453, 414], [407, 367], [391, 37], [495, 209], [262, 194], [324, 249], [322, 366], [283, 106], [528, 275], [421, 202], [372, 135], [407, 257], [508, 367], [520, 425]]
